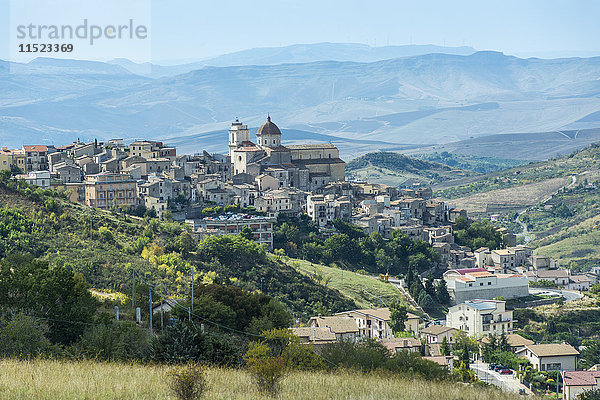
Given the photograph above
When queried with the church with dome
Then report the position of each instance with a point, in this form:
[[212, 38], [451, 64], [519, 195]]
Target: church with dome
[[305, 166]]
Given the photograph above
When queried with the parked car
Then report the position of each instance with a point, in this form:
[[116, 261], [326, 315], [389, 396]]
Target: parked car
[[505, 371], [492, 366], [498, 367]]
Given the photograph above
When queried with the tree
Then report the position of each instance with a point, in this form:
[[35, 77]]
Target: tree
[[398, 316], [445, 347], [247, 233], [23, 336], [441, 292], [589, 395], [55, 294], [503, 343], [184, 342]]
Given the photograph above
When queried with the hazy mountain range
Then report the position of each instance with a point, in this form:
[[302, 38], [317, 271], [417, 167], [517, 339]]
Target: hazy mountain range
[[398, 103]]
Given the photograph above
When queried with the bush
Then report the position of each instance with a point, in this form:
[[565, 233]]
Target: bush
[[22, 337], [266, 370], [188, 383], [183, 342]]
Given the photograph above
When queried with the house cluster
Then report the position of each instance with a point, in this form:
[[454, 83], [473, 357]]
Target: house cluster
[[480, 319], [374, 323]]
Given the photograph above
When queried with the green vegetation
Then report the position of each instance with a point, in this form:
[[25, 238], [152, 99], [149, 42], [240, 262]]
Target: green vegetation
[[396, 169], [482, 165], [352, 249], [361, 288], [549, 325], [477, 234]]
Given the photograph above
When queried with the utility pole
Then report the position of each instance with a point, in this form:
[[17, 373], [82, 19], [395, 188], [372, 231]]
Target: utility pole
[[133, 291], [192, 306], [556, 383], [162, 316], [151, 345]]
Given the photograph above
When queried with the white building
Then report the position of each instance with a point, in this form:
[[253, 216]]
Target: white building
[[551, 357], [480, 317], [323, 209], [478, 283], [231, 224], [37, 178], [373, 323]]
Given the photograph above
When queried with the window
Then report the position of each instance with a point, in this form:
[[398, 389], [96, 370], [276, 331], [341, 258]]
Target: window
[[481, 284], [489, 283]]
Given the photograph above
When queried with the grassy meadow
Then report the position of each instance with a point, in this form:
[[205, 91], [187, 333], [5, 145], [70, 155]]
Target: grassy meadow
[[350, 284], [36, 380]]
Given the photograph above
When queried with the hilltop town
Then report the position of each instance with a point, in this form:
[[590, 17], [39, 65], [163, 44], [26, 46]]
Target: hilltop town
[[461, 292]]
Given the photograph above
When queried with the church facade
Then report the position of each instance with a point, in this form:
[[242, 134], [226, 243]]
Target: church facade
[[306, 167]]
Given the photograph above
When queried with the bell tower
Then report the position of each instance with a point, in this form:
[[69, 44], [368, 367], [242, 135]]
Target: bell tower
[[238, 134]]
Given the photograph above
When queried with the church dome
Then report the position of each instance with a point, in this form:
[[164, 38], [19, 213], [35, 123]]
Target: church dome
[[268, 128]]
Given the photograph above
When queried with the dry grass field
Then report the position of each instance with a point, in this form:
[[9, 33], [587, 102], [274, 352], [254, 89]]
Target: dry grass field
[[514, 198], [35, 380]]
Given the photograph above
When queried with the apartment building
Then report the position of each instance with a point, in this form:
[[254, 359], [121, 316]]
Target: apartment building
[[149, 149], [323, 209], [480, 317], [373, 323], [107, 189], [36, 158], [231, 224], [478, 283]]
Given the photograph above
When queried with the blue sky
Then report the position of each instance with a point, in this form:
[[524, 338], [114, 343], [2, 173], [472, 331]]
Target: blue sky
[[190, 30]]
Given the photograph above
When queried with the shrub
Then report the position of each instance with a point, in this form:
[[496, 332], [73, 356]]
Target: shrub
[[188, 383], [105, 234], [266, 370], [23, 336]]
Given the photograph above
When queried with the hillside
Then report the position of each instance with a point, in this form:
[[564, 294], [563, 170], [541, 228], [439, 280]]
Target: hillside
[[399, 101], [558, 200], [45, 380], [364, 290], [105, 247], [398, 170]]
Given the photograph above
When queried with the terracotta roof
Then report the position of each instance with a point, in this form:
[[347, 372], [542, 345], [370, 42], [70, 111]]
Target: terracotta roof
[[268, 128], [514, 340], [402, 343], [314, 334], [336, 324], [581, 378], [557, 273], [36, 148], [311, 146], [552, 349], [441, 360], [437, 329]]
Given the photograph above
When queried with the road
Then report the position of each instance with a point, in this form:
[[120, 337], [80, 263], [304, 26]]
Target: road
[[568, 295], [508, 383], [526, 235]]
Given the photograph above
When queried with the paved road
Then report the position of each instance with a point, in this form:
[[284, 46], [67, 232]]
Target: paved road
[[568, 295], [508, 383]]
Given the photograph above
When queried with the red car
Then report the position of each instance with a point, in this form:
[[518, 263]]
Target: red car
[[505, 371]]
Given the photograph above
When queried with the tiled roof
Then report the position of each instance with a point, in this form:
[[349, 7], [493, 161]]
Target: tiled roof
[[311, 146], [36, 148], [314, 334], [337, 324], [553, 349], [580, 378], [513, 339], [437, 329]]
